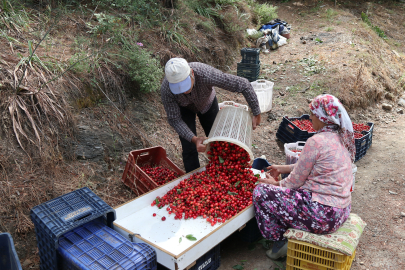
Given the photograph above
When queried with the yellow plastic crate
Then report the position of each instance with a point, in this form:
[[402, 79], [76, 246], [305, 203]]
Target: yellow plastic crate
[[305, 256]]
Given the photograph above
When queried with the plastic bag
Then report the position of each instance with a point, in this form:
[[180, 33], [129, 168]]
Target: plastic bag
[[251, 31], [282, 41]]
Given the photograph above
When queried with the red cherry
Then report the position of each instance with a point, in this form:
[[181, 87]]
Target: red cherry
[[163, 218], [154, 214]]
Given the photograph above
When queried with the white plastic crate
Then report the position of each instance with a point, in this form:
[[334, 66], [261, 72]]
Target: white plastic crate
[[233, 124], [264, 92]]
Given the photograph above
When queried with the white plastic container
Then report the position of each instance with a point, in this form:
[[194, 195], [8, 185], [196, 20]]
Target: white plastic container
[[290, 156], [354, 170], [233, 124], [135, 221], [264, 92]]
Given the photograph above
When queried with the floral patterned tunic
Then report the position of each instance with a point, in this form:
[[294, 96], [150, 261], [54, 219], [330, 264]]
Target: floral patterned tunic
[[324, 168]]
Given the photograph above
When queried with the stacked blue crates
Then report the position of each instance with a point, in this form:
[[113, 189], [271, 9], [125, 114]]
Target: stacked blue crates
[[8, 256], [249, 67], [96, 246], [83, 218]]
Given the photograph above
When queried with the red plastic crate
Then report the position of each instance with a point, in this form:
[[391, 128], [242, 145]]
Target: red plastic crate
[[135, 178]]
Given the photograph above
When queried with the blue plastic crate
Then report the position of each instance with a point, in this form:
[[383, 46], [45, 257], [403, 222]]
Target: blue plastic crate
[[288, 132], [250, 55], [248, 71], [63, 214], [8, 256], [96, 246], [209, 261]]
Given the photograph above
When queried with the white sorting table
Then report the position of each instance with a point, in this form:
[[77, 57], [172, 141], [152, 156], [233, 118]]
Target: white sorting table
[[135, 221]]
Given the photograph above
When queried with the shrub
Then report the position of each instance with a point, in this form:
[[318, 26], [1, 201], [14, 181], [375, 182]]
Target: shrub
[[265, 13], [143, 68]]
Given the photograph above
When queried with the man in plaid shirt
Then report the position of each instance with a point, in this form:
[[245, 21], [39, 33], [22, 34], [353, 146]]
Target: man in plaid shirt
[[187, 91]]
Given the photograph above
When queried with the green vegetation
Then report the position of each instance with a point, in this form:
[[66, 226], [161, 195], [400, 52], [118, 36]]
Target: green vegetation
[[86, 52], [265, 13], [377, 29], [330, 13]]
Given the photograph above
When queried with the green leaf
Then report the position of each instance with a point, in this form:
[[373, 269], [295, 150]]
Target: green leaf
[[257, 175], [191, 237], [258, 182], [180, 239], [221, 160], [238, 267], [178, 191], [30, 47], [232, 193], [156, 201], [279, 264], [237, 184]]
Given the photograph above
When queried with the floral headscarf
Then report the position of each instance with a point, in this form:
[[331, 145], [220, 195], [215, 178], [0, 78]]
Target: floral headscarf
[[331, 112]]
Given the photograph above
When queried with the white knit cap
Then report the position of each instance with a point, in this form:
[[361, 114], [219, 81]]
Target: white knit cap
[[177, 73]]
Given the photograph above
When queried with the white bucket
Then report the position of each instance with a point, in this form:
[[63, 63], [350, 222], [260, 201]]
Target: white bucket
[[290, 156], [233, 124], [264, 92], [354, 170]]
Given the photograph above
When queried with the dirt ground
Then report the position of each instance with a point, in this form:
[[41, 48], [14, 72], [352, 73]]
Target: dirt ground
[[378, 198], [300, 72]]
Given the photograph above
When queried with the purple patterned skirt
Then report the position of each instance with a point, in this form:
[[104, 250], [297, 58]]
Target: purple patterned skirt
[[278, 208]]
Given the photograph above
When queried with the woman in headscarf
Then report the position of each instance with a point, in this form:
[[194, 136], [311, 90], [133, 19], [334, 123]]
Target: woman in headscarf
[[315, 197]]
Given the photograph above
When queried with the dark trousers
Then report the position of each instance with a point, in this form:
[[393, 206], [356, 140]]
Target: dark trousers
[[190, 154]]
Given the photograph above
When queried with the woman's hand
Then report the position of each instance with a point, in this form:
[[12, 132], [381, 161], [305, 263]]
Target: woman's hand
[[276, 170], [269, 180]]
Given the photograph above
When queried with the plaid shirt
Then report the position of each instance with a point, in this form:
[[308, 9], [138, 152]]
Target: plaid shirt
[[203, 94]]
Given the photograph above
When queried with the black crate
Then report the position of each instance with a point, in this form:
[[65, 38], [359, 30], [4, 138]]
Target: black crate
[[361, 146], [288, 132], [250, 55], [58, 216], [248, 71], [251, 232], [209, 261], [370, 134]]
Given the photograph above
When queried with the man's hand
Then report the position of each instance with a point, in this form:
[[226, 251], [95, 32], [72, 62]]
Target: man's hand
[[256, 121], [198, 141]]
